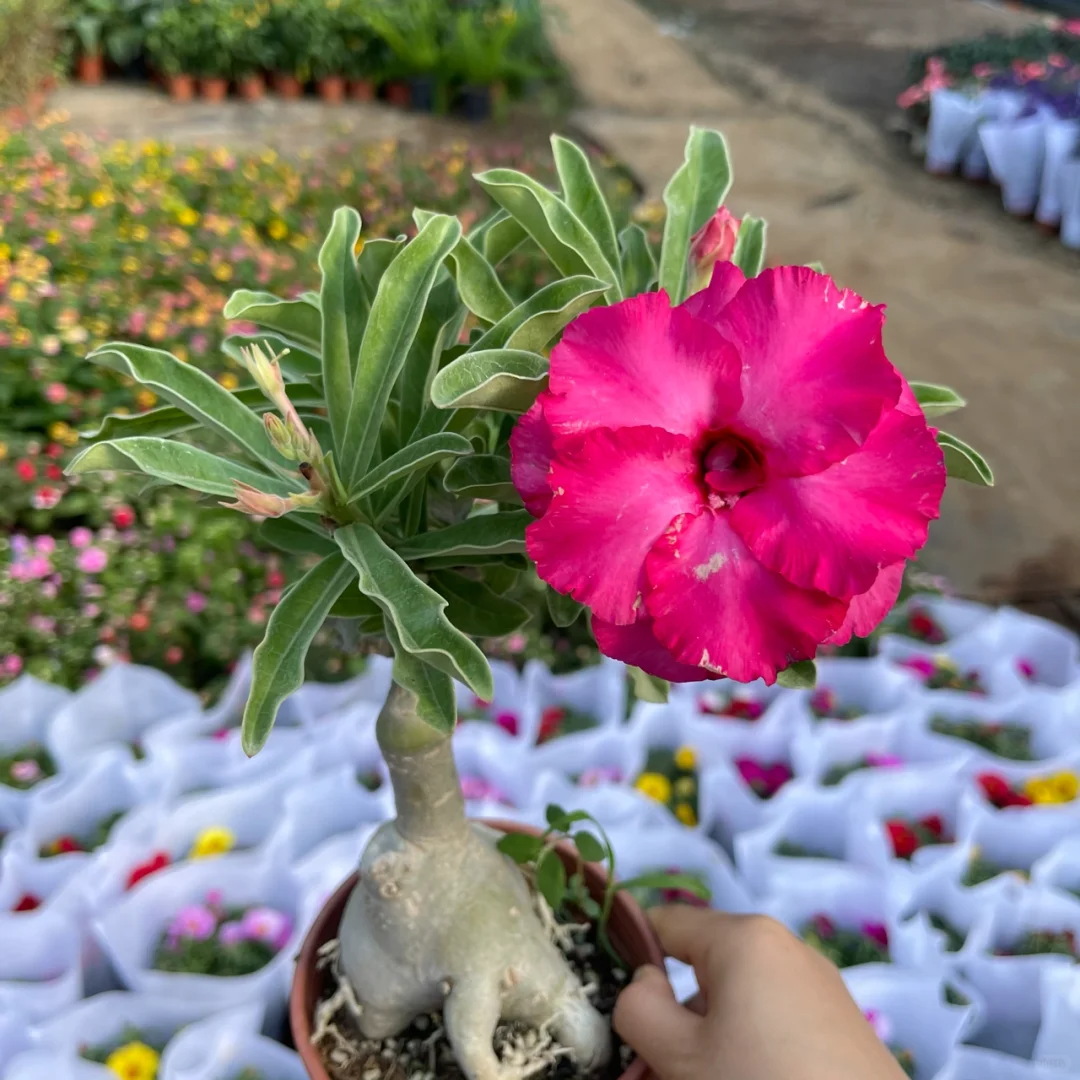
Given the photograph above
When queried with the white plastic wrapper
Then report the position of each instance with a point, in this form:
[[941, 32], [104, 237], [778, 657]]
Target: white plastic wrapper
[[678, 850], [327, 866], [911, 1007], [513, 697], [325, 701], [613, 805], [14, 1037], [116, 710], [1062, 137], [598, 691], [40, 964], [993, 105], [1015, 150], [1017, 840], [494, 768], [27, 706], [851, 898], [348, 735], [875, 687], [1044, 654], [1011, 985], [1058, 1040], [812, 818], [1059, 868], [975, 1063], [23, 874], [997, 673], [1069, 186], [954, 119], [217, 1052], [707, 699], [955, 618], [132, 929]]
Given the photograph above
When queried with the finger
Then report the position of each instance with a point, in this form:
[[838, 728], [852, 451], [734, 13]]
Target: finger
[[697, 1004], [696, 936], [648, 1018]]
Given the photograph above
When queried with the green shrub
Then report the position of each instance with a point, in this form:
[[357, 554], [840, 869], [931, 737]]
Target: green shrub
[[28, 46]]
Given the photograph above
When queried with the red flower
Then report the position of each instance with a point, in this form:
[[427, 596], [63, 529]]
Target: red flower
[[53, 472], [123, 517], [65, 845], [158, 861], [904, 840], [275, 579], [995, 788], [26, 470], [54, 450], [933, 824], [28, 902], [550, 720], [140, 621]]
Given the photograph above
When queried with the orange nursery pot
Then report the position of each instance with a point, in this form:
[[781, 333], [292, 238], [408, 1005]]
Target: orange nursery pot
[[251, 87], [181, 87], [630, 931], [214, 88], [287, 86], [332, 89], [397, 93], [90, 69], [362, 89]]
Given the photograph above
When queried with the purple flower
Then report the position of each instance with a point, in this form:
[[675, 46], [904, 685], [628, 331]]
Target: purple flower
[[92, 561], [231, 933], [195, 922], [195, 602], [266, 924], [20, 544]]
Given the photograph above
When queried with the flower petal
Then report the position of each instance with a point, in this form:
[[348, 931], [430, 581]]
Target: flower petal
[[815, 377], [637, 644], [531, 451], [641, 362], [714, 605], [834, 530], [727, 279], [868, 609], [615, 492]]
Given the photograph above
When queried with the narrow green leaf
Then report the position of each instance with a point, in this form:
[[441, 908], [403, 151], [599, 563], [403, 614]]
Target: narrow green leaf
[[375, 258], [415, 609], [660, 880], [421, 454], [343, 317], [693, 195], [392, 325], [475, 609], [277, 668], [648, 687], [638, 262], [564, 610], [353, 604], [963, 462], [799, 676], [532, 324], [176, 463], [589, 848], [521, 847], [583, 196], [502, 238], [482, 476], [558, 231], [297, 364], [817, 267], [287, 535], [936, 400], [436, 703], [749, 254], [195, 393], [298, 321], [551, 879], [484, 534], [506, 380]]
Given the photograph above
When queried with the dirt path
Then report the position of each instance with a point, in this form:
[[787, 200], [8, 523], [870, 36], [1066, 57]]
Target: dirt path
[[975, 300]]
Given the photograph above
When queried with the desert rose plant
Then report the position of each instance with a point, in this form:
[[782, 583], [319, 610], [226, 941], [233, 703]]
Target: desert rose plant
[[725, 481]]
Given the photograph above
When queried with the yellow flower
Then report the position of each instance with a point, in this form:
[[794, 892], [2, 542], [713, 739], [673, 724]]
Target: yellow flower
[[222, 272], [53, 236], [140, 233], [21, 336], [18, 292], [146, 399], [5, 251], [1040, 790], [133, 1061], [277, 229], [129, 264], [100, 198], [358, 247], [215, 840], [1067, 786], [229, 380], [654, 785], [685, 758], [188, 217], [3, 451], [685, 813]]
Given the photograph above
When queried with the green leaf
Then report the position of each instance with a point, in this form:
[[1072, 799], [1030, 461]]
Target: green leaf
[[277, 668], [507, 380], [421, 454], [195, 393], [415, 609], [558, 231], [533, 324], [502, 238], [799, 676], [564, 610], [297, 364], [481, 476], [500, 577], [297, 321], [353, 604], [484, 534], [343, 317], [659, 880], [583, 196], [817, 267], [749, 255], [963, 462], [551, 879], [475, 609], [590, 849], [521, 847], [936, 400], [693, 195], [648, 687], [556, 817], [176, 463], [638, 262], [391, 328], [286, 534], [436, 703]]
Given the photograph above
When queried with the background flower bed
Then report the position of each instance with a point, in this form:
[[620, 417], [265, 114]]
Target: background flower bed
[[146, 242]]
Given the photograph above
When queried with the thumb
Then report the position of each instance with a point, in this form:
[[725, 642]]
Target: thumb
[[650, 1020]]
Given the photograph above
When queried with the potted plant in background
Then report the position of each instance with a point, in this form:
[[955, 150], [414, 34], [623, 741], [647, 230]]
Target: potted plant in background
[[388, 456], [87, 22], [330, 60], [366, 55], [413, 30], [480, 42], [292, 46], [243, 33], [174, 46]]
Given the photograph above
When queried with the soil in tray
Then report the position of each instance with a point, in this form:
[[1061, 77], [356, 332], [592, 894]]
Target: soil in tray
[[423, 1052]]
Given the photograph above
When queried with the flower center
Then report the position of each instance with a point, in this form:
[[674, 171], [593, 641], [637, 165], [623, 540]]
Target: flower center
[[732, 466]]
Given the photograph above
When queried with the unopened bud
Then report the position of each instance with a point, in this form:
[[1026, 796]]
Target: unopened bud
[[250, 500], [279, 435], [714, 242], [265, 371]]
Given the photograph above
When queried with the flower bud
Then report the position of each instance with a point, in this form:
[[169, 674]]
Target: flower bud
[[250, 500], [713, 243]]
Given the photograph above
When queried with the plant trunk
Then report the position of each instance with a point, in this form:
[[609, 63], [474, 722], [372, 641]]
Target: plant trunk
[[441, 919]]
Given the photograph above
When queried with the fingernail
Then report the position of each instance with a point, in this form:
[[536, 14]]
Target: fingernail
[[642, 972]]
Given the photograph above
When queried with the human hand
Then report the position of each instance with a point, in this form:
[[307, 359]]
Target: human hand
[[770, 1007]]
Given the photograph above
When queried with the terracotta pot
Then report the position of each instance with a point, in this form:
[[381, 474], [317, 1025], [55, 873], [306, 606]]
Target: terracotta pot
[[362, 89], [90, 69], [332, 89], [181, 87], [630, 932], [397, 93], [214, 89], [251, 87], [287, 86]]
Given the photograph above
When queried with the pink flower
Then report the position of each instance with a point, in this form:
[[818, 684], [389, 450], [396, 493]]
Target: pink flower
[[265, 924], [231, 933], [44, 545], [56, 393], [600, 774], [877, 932], [750, 771], [80, 537], [883, 761], [25, 772], [1026, 668], [475, 788], [714, 242], [881, 1024], [46, 497], [195, 602], [983, 71], [923, 666], [195, 922], [508, 722], [92, 560], [752, 453]]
